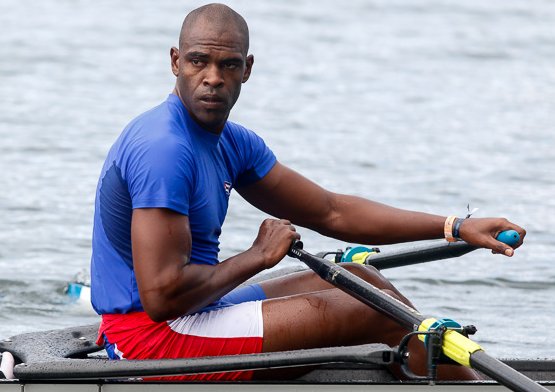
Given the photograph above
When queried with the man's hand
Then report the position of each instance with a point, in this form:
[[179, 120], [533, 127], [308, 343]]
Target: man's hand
[[482, 232], [274, 240]]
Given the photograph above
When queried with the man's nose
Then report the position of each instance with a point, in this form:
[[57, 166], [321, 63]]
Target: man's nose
[[213, 76]]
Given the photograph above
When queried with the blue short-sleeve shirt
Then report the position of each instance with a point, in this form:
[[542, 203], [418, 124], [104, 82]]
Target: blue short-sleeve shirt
[[164, 159]]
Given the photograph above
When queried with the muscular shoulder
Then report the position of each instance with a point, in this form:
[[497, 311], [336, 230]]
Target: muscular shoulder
[[155, 138], [160, 125]]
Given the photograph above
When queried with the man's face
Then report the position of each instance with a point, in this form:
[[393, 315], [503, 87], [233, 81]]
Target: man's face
[[210, 66]]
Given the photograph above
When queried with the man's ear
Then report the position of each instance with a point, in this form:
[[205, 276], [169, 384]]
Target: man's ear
[[248, 68], [174, 56]]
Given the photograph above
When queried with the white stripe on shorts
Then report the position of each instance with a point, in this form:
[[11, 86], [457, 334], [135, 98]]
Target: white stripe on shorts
[[236, 321]]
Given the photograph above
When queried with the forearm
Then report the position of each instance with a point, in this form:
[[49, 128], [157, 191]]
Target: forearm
[[286, 194], [354, 219], [194, 286]]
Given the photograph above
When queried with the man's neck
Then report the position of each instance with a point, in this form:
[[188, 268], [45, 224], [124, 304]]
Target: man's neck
[[216, 130]]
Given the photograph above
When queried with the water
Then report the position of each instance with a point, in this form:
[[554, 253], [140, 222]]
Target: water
[[426, 105]]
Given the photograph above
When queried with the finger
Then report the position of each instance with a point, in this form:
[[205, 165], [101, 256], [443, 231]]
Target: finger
[[501, 248], [509, 252], [521, 232]]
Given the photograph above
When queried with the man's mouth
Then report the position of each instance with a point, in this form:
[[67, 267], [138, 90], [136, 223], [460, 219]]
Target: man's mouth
[[212, 101]]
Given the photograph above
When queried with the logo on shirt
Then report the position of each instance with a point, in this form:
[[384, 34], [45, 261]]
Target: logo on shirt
[[227, 187]]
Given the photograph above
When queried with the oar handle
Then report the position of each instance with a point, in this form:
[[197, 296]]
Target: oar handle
[[296, 244], [509, 237]]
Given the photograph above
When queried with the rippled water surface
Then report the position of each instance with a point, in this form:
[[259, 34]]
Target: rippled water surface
[[427, 105]]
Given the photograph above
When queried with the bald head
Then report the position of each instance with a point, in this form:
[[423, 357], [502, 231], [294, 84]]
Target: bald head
[[216, 17]]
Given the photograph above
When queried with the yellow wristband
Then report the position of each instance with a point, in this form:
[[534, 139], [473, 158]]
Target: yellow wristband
[[448, 228]]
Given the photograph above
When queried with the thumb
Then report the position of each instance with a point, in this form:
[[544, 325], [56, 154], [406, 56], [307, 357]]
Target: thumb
[[509, 252], [500, 247]]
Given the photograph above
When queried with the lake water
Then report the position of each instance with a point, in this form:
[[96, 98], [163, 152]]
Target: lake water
[[428, 105]]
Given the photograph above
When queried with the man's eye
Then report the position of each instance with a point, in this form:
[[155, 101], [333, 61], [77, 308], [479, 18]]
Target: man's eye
[[196, 61], [230, 66]]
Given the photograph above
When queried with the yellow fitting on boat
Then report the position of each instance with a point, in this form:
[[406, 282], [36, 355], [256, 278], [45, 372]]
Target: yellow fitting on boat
[[359, 258], [425, 326], [455, 346]]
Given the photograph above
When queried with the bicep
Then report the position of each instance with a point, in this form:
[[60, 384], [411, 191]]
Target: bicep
[[287, 194], [161, 245]]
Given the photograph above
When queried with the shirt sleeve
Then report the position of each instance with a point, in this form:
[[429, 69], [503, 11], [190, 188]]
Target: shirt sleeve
[[160, 174], [258, 159]]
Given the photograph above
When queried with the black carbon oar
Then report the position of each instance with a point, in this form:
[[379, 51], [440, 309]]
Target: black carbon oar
[[418, 254], [455, 346]]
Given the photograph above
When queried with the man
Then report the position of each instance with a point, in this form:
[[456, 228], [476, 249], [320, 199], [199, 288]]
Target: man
[[162, 199]]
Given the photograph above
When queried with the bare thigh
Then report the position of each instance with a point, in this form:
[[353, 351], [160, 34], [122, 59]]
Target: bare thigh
[[323, 317], [308, 281]]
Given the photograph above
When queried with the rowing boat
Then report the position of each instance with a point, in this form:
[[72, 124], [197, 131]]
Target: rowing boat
[[338, 369], [69, 360]]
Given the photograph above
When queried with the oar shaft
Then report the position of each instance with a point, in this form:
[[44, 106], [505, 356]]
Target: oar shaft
[[436, 251], [503, 373], [418, 254]]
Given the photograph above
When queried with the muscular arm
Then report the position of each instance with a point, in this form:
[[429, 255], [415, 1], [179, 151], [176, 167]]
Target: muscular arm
[[286, 194], [169, 285]]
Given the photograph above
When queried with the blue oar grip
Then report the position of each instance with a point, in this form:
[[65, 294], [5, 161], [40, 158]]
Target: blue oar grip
[[509, 237]]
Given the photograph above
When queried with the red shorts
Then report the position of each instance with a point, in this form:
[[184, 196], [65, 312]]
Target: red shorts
[[230, 330]]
